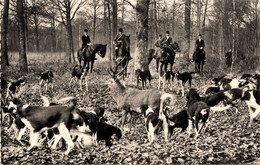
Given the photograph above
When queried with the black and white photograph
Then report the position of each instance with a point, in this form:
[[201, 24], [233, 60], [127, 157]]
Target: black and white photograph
[[130, 82]]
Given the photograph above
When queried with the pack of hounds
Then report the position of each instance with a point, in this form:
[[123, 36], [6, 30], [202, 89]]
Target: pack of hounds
[[52, 122]]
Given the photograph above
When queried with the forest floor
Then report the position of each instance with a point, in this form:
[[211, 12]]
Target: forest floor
[[226, 139]]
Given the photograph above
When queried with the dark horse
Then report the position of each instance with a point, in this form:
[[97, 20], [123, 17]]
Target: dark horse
[[124, 54], [164, 56], [89, 55], [199, 57]]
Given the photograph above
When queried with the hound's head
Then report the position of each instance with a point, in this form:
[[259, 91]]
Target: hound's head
[[13, 106], [50, 74], [192, 96], [138, 72]]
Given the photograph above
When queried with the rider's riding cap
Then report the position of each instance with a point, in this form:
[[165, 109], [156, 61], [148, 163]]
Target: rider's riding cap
[[86, 30], [167, 32], [160, 35], [120, 30], [200, 35]]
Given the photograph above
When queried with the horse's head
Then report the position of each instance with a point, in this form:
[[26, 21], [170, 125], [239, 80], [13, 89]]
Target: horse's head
[[176, 47], [102, 50]]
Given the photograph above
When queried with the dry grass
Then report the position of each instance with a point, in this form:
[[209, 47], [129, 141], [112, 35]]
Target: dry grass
[[41, 57]]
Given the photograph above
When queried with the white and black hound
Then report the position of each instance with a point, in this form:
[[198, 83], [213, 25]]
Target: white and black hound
[[91, 119], [152, 122], [13, 88], [211, 100], [252, 99], [178, 120], [166, 77], [41, 118], [79, 73], [199, 107], [47, 78], [183, 78]]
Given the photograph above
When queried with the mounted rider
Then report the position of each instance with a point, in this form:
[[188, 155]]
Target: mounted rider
[[158, 45], [119, 40], [199, 46], [167, 41], [86, 42]]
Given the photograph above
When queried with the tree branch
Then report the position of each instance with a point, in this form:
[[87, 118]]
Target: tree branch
[[133, 6]]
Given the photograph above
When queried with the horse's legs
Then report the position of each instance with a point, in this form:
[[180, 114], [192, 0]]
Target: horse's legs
[[161, 68], [171, 65], [199, 63], [196, 67], [92, 64], [126, 64], [88, 66], [157, 63], [202, 65], [165, 66]]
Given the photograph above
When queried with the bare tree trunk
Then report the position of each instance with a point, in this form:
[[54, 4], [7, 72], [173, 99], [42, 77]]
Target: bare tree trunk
[[109, 31], [36, 26], [213, 42], [94, 20], [204, 18], [198, 15], [123, 14], [114, 25], [26, 26], [53, 34], [187, 27], [155, 19], [256, 29], [221, 37], [4, 46], [142, 8], [233, 34], [173, 18], [105, 21], [22, 45]]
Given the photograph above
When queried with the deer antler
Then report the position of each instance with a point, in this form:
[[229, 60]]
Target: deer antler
[[112, 72]]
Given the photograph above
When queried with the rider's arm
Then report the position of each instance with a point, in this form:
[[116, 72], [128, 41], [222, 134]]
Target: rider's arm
[[203, 44]]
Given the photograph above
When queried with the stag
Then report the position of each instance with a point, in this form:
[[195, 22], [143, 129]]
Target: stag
[[130, 99]]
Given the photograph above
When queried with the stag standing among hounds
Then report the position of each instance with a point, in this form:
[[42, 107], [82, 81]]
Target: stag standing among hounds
[[130, 99]]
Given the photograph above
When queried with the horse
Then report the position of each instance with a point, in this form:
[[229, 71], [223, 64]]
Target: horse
[[164, 56], [89, 55], [124, 54], [199, 57]]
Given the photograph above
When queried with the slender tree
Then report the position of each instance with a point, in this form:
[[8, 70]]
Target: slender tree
[[187, 26], [114, 23], [141, 44], [233, 33], [68, 10], [109, 30], [22, 40], [4, 48]]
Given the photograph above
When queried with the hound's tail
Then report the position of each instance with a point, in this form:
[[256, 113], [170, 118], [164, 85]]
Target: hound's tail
[[72, 99], [164, 97], [220, 108], [46, 102]]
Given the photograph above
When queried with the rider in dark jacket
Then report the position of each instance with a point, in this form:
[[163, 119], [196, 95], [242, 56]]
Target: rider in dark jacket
[[167, 41], [199, 46], [85, 40], [200, 43], [119, 39]]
